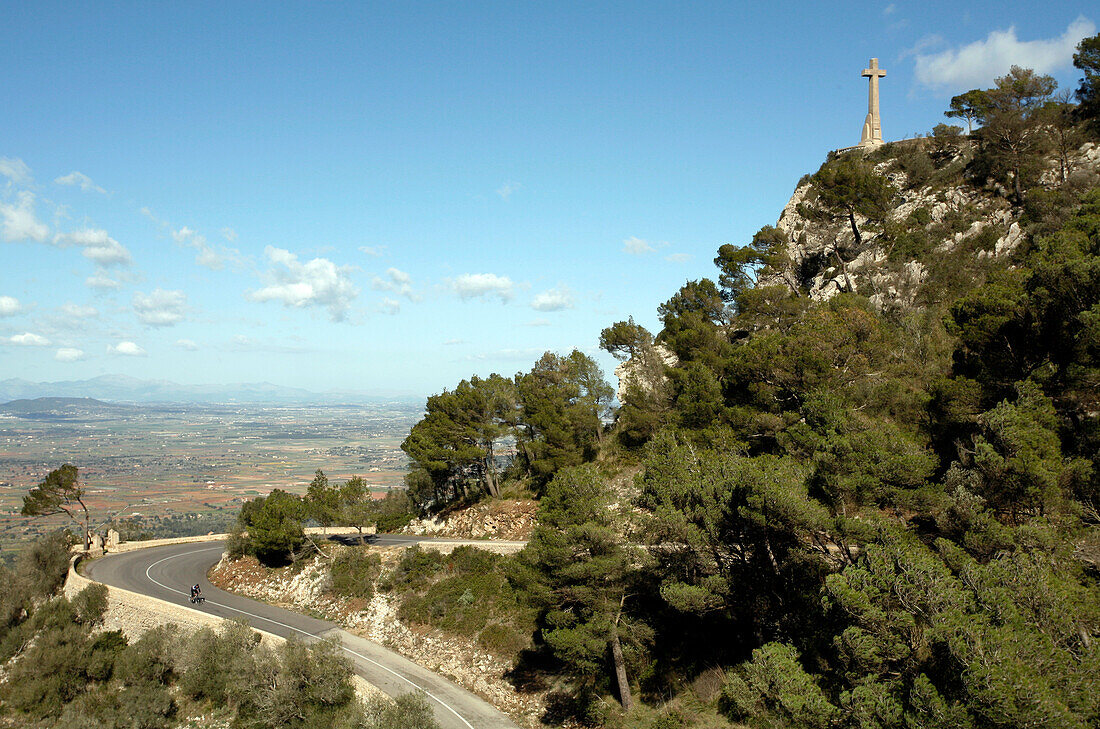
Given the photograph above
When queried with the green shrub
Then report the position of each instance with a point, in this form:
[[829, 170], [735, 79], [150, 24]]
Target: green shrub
[[105, 650], [90, 604], [414, 570], [503, 640], [49, 674], [142, 706], [775, 689], [394, 511], [298, 686], [911, 245], [918, 168], [151, 658], [467, 592], [42, 565], [211, 661], [237, 544], [408, 711], [354, 571]]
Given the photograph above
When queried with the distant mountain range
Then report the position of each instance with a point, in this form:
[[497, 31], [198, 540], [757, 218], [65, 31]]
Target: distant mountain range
[[121, 388]]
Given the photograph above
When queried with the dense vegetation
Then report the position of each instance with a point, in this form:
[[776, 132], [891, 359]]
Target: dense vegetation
[[870, 516], [62, 669], [271, 528], [467, 592], [553, 415]]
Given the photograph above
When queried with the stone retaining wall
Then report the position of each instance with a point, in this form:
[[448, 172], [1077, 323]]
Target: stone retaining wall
[[489, 546], [144, 544]]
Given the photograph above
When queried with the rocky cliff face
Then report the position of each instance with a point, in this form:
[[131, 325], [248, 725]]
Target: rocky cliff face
[[824, 260], [646, 371]]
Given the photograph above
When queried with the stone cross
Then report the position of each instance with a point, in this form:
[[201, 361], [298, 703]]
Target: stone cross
[[872, 127]]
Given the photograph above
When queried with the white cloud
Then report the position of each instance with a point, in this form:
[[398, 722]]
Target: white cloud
[[229, 234], [318, 282], [81, 179], [100, 280], [637, 247], [539, 323], [20, 222], [187, 344], [678, 257], [475, 285], [77, 311], [397, 282], [153, 216], [980, 62], [27, 339], [128, 349], [15, 170], [373, 251], [505, 191], [390, 306], [9, 306], [160, 308], [69, 354], [98, 246], [554, 299], [208, 256], [890, 9]]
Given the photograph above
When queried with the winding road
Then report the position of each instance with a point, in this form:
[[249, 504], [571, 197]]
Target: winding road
[[167, 572]]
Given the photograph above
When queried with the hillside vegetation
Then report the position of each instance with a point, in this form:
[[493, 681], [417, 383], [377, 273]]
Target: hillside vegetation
[[868, 482], [853, 481]]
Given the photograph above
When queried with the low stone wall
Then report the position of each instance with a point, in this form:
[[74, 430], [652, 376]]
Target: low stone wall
[[131, 546], [446, 547], [145, 544]]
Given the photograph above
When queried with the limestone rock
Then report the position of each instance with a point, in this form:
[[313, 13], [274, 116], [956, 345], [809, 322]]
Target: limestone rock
[[1010, 241], [647, 371]]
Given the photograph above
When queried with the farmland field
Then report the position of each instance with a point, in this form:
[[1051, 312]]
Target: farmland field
[[155, 462]]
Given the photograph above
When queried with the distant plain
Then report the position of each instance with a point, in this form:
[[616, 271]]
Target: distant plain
[[150, 461]]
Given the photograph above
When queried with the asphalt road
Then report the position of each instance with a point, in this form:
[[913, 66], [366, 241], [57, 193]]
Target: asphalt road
[[167, 573]]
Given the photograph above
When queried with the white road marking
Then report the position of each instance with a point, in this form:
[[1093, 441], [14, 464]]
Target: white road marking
[[299, 630]]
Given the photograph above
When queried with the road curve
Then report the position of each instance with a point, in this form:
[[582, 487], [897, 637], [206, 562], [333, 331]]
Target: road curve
[[167, 572]]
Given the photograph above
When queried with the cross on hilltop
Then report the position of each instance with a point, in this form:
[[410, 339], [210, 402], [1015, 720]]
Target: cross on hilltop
[[872, 126]]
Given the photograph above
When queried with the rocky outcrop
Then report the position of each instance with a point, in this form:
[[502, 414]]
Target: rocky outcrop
[[824, 261], [508, 519], [646, 370]]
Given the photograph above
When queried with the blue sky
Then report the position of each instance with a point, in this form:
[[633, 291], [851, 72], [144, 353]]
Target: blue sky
[[394, 196]]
